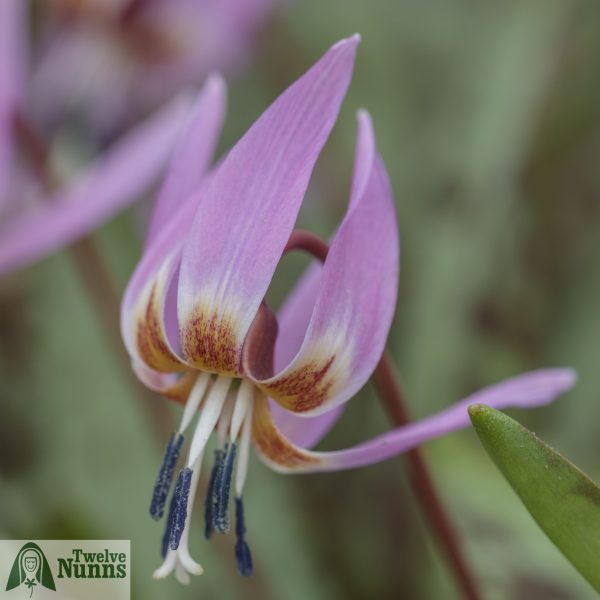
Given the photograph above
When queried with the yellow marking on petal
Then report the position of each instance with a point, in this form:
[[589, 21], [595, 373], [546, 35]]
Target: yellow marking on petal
[[152, 345], [272, 444], [210, 341]]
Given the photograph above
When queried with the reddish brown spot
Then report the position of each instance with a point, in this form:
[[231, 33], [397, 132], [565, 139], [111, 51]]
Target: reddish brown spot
[[271, 442], [210, 344], [304, 388], [152, 346]]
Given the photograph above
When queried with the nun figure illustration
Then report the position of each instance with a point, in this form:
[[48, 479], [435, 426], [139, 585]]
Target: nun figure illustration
[[30, 569]]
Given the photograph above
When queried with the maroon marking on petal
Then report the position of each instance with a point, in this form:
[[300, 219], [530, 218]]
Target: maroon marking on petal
[[210, 344], [308, 386], [305, 388]]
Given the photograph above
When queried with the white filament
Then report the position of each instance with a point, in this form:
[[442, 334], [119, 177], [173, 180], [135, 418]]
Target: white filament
[[244, 455], [243, 401], [180, 560], [227, 411], [208, 417], [194, 400], [225, 419], [183, 552]]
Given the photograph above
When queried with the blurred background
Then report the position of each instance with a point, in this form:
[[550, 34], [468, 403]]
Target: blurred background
[[488, 117]]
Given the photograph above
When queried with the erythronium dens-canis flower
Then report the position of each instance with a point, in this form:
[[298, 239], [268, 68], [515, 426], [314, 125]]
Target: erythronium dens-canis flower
[[199, 331]]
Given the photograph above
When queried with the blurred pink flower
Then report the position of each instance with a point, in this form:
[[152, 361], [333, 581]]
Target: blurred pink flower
[[112, 60], [198, 330], [35, 221]]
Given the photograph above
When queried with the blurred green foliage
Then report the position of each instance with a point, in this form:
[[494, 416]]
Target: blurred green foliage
[[488, 117]]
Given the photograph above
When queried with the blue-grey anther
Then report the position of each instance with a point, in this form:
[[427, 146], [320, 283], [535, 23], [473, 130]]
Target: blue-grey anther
[[165, 476], [222, 489], [180, 498], [210, 503]]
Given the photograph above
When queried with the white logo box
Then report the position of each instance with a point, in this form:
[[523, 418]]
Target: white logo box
[[76, 569]]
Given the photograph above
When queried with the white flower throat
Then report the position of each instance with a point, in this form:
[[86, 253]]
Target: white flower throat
[[228, 409]]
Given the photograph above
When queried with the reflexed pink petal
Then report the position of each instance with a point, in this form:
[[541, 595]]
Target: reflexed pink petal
[[193, 155], [150, 294], [165, 247], [293, 319], [109, 185], [171, 385], [248, 211], [305, 432], [180, 193], [143, 324], [525, 391], [294, 315], [13, 15], [356, 299]]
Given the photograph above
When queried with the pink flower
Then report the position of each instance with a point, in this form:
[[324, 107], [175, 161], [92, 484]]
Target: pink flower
[[112, 60], [198, 330], [35, 221]]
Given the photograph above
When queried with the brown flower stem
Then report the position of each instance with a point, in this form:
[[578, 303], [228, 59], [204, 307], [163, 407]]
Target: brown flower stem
[[393, 399], [392, 396], [95, 277]]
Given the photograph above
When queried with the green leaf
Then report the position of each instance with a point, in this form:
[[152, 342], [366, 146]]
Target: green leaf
[[563, 500]]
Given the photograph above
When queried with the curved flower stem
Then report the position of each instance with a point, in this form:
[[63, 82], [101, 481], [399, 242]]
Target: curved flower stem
[[93, 273], [392, 396]]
